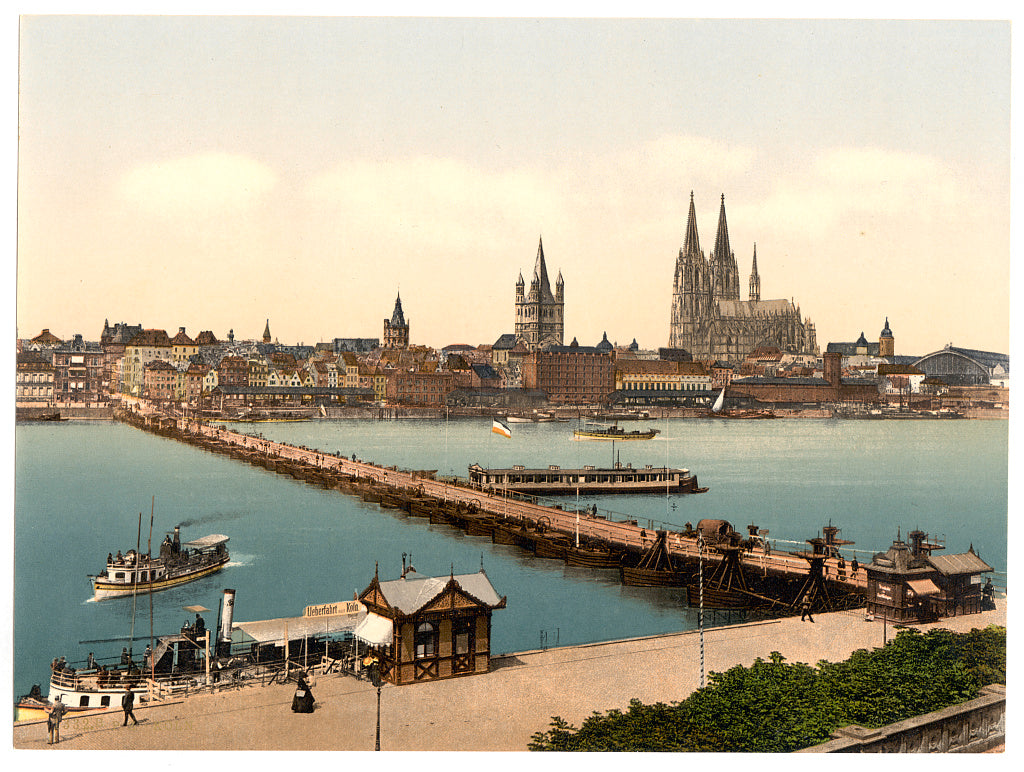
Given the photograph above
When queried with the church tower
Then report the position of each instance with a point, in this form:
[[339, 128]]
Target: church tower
[[725, 274], [886, 342], [540, 313], [396, 329], [691, 288], [755, 279], [266, 333]]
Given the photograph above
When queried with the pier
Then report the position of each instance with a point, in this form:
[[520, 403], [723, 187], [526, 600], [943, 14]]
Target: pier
[[581, 537]]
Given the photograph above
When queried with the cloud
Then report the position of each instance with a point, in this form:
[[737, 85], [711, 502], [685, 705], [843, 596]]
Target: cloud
[[204, 185], [433, 201]]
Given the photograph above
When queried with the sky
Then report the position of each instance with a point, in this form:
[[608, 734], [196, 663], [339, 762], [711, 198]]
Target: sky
[[216, 172]]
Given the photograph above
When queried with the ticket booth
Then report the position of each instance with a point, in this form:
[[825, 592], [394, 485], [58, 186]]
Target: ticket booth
[[424, 628]]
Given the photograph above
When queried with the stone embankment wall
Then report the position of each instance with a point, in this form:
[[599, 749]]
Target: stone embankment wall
[[35, 413], [974, 726]]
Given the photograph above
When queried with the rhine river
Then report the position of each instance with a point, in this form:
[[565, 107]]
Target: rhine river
[[80, 487]]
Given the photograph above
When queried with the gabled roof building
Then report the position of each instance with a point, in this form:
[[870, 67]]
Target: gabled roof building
[[427, 628]]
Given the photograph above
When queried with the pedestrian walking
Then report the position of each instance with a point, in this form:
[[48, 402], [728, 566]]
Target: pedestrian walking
[[127, 703], [53, 720], [805, 611]]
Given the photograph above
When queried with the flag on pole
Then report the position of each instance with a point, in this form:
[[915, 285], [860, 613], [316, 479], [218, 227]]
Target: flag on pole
[[500, 427]]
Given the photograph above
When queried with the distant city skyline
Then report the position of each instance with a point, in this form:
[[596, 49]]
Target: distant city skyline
[[214, 172]]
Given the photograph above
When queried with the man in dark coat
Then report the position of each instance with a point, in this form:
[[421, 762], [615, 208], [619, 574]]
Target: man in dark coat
[[302, 702], [805, 610], [127, 703], [53, 720]]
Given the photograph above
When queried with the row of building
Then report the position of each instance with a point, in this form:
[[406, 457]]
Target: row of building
[[236, 375], [763, 350]]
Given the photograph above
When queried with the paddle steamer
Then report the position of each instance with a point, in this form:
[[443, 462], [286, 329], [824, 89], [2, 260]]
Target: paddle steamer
[[177, 564]]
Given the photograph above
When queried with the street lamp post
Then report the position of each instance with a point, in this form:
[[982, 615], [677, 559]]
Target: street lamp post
[[375, 679]]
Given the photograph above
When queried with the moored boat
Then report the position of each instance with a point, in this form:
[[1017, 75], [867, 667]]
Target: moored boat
[[613, 432], [553, 480], [593, 557], [177, 564], [656, 568], [197, 659]]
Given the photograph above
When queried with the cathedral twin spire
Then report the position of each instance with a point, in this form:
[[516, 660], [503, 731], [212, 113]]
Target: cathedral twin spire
[[722, 263]]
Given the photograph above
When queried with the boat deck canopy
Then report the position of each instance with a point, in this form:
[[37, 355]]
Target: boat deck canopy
[[276, 631], [206, 542]]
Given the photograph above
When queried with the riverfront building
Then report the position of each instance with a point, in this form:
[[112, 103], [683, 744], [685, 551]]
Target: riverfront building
[[708, 318], [573, 374]]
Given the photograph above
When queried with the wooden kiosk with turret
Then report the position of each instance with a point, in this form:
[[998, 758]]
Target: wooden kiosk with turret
[[425, 628], [909, 584]]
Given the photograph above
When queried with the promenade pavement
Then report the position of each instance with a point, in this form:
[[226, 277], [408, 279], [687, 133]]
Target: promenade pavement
[[496, 711]]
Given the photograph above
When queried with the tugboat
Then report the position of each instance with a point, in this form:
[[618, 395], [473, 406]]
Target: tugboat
[[178, 563]]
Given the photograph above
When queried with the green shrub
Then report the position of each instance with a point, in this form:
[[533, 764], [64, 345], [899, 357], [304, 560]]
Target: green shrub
[[773, 706]]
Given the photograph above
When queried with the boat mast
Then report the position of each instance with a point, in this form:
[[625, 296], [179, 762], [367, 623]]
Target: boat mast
[[135, 586], [149, 564]]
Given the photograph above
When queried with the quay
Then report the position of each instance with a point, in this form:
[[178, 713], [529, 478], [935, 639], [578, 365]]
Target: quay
[[495, 711], [583, 538]]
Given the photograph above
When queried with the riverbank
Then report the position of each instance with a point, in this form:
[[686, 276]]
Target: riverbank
[[496, 711]]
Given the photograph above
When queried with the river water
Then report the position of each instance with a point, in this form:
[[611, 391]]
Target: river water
[[81, 486]]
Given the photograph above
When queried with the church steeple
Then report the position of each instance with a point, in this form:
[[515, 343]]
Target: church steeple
[[397, 316], [396, 329], [539, 313], [726, 274], [691, 244], [722, 250], [755, 279], [266, 333], [540, 274]]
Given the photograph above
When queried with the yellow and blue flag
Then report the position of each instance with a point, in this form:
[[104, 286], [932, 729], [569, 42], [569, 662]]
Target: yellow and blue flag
[[500, 427]]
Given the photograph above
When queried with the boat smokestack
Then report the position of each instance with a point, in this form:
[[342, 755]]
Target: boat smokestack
[[177, 539], [227, 609]]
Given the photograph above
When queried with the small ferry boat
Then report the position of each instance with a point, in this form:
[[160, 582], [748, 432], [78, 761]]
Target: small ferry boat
[[553, 480], [178, 563], [535, 417], [613, 432]]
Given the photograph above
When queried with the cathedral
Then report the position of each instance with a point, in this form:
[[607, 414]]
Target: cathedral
[[540, 317], [708, 318]]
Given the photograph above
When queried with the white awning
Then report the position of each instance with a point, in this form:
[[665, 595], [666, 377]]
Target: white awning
[[276, 630], [374, 630]]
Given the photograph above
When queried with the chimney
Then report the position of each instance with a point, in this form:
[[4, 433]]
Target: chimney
[[227, 610]]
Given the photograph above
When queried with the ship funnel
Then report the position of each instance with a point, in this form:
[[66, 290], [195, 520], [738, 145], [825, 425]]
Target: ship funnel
[[227, 609]]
